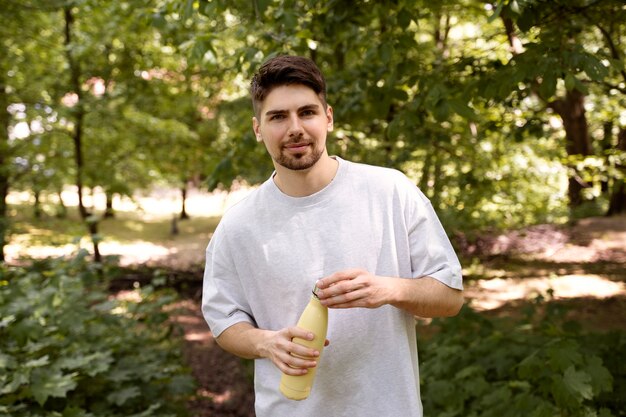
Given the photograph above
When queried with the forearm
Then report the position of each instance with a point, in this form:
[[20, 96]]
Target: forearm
[[427, 297], [243, 339], [424, 297]]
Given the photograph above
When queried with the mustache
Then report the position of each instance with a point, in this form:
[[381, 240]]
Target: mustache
[[297, 141]]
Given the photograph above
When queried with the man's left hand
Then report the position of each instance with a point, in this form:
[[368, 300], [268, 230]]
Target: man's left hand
[[352, 288]]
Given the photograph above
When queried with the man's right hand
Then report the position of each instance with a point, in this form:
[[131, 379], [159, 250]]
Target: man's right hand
[[288, 356], [246, 341]]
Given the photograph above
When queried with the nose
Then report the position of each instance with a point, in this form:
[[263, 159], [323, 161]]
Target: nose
[[295, 126]]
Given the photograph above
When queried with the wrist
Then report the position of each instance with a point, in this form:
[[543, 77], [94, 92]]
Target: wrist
[[400, 293], [260, 343]]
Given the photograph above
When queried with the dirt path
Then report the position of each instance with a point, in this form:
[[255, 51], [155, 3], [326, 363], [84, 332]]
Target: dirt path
[[225, 386]]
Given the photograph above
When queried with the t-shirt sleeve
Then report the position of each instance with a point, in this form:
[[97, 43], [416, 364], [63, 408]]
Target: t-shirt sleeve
[[223, 298], [432, 253]]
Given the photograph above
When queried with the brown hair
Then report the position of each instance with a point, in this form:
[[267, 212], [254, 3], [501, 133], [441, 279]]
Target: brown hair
[[286, 70]]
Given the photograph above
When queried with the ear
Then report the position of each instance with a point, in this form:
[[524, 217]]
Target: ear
[[256, 128], [329, 117]]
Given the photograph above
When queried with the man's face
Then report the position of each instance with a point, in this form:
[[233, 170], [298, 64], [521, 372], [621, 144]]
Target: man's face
[[293, 124]]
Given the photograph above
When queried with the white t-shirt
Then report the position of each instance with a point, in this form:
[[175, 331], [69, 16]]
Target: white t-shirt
[[268, 251]]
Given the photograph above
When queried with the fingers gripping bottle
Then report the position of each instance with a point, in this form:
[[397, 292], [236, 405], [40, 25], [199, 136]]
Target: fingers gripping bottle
[[314, 318]]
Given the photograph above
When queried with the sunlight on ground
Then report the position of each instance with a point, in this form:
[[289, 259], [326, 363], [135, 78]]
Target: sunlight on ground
[[159, 203], [217, 398], [494, 293], [129, 253]]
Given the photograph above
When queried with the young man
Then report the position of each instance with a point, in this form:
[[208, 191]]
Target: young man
[[365, 235]]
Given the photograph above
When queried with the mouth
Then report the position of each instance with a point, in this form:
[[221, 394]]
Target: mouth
[[297, 147]]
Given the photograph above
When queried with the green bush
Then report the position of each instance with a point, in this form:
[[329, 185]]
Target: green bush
[[67, 349], [538, 366]]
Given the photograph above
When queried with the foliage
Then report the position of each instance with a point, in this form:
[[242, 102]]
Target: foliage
[[538, 366], [66, 349], [442, 95], [474, 100]]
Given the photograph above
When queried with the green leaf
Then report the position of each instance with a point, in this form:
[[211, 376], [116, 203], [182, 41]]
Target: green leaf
[[262, 5], [46, 382], [594, 68], [35, 363], [496, 14], [469, 371], [462, 109], [578, 382], [76, 412], [187, 9], [6, 321], [529, 366], [17, 379], [527, 20], [514, 6], [6, 361], [601, 378], [548, 85], [394, 128], [605, 412], [571, 387], [120, 396], [92, 364], [404, 19], [181, 384], [570, 82], [500, 395], [564, 354], [149, 412]]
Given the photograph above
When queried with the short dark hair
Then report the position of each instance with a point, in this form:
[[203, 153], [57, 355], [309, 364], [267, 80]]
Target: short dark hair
[[286, 70]]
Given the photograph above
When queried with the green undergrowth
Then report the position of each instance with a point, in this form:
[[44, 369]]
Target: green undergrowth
[[69, 349], [536, 366]]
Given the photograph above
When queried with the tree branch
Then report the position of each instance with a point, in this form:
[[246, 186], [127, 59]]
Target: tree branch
[[614, 51]]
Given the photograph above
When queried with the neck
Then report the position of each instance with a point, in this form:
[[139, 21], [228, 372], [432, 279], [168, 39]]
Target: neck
[[307, 181]]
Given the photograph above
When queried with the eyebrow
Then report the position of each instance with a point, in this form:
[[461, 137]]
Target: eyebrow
[[303, 108]]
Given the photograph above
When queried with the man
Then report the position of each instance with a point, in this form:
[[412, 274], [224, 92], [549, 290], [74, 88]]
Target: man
[[365, 235]]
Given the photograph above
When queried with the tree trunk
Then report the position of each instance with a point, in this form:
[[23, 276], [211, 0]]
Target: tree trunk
[[62, 212], [437, 184], [92, 225], [183, 210], [37, 205], [5, 119], [79, 115], [577, 139], [424, 177], [78, 111], [617, 202], [4, 221], [607, 129], [109, 213]]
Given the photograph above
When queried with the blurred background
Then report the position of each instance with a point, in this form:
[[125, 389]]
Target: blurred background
[[126, 132]]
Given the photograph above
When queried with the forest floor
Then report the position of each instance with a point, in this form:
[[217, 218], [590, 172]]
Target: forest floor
[[581, 265]]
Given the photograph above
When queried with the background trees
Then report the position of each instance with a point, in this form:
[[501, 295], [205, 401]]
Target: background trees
[[506, 113]]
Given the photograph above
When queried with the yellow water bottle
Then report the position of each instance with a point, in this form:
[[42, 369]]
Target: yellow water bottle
[[314, 318]]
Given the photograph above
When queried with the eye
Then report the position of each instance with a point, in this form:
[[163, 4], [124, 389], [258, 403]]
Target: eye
[[277, 116], [306, 113]]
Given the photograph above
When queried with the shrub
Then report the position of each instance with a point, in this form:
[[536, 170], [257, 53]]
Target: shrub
[[69, 350], [538, 366]]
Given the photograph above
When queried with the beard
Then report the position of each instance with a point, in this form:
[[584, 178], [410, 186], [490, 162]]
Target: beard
[[299, 161]]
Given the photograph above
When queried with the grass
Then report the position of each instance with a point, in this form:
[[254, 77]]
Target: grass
[[125, 227]]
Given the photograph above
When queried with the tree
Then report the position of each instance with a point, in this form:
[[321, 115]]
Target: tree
[[569, 48], [28, 68]]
